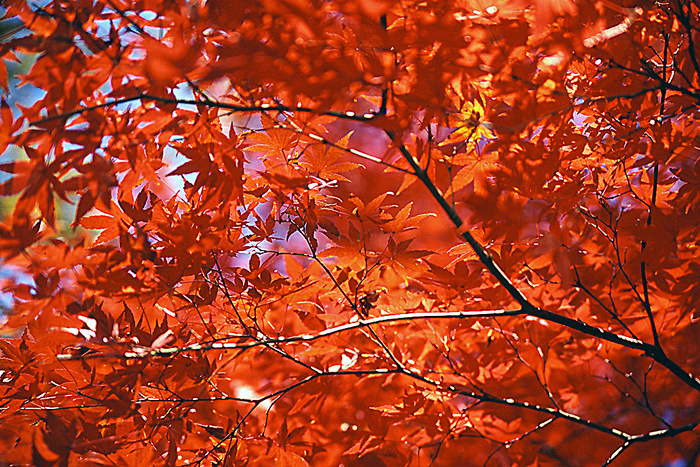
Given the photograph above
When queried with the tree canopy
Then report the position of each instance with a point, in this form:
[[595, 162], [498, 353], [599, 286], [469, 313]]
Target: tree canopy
[[350, 232]]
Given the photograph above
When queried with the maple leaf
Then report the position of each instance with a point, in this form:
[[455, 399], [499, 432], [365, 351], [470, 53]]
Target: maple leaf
[[470, 126], [322, 160], [274, 143], [22, 233], [476, 166], [111, 223], [403, 221], [8, 124]]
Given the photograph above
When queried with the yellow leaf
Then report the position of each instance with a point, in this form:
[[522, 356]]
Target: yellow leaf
[[470, 125]]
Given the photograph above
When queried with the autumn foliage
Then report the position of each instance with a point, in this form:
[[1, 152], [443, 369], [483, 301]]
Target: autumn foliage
[[351, 232]]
